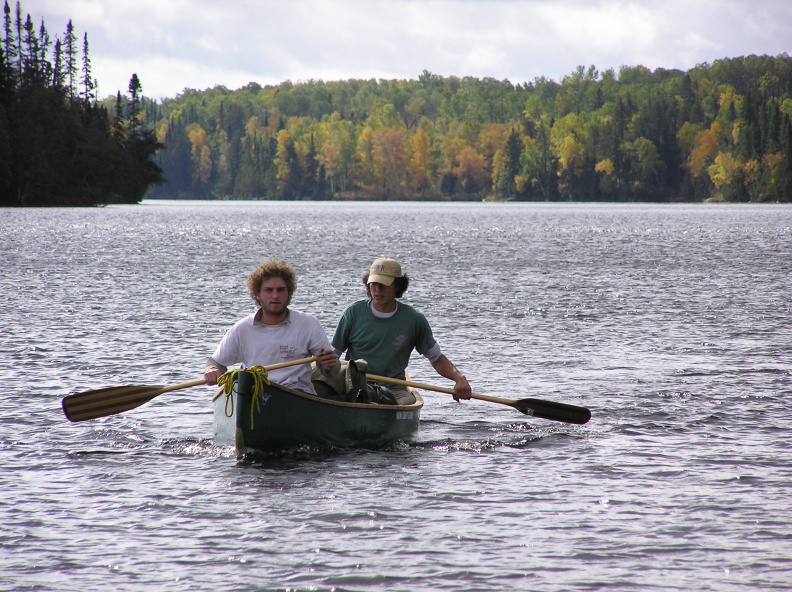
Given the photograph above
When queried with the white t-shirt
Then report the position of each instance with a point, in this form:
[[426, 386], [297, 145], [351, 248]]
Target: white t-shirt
[[253, 343]]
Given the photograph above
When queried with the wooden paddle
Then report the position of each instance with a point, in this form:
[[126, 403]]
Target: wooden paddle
[[117, 399], [533, 407]]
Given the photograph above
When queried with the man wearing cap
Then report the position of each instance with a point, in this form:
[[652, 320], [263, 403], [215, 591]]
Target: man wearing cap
[[384, 332]]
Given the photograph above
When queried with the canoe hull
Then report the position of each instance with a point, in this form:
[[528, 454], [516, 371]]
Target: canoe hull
[[287, 418]]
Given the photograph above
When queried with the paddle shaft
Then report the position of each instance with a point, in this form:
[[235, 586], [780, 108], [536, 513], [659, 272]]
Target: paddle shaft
[[439, 389], [280, 365], [114, 400], [177, 387], [535, 407]]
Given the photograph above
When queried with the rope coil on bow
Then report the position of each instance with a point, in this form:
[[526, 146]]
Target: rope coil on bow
[[260, 380]]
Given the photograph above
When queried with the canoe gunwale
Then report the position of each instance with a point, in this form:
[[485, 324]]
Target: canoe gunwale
[[372, 406]]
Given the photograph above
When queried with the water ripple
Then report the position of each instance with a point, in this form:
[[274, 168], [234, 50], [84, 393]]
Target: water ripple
[[670, 323]]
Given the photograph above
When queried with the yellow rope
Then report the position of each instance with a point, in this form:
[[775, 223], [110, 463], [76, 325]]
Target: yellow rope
[[260, 379]]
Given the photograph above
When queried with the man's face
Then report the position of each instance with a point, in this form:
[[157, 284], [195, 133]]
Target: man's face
[[382, 295], [273, 296]]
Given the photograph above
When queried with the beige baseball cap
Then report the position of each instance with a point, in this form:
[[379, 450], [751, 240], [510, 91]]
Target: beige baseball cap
[[384, 271]]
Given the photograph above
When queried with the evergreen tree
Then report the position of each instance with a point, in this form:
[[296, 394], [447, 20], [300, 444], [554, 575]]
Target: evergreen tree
[[44, 43], [70, 60], [9, 43], [29, 51], [18, 25], [6, 153], [58, 79], [135, 96], [119, 126], [783, 186], [546, 179], [142, 172], [87, 81], [511, 165], [311, 173], [7, 78]]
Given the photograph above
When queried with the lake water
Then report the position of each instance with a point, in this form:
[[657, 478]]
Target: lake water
[[670, 322]]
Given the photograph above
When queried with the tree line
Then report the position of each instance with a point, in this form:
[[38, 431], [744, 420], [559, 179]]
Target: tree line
[[717, 131], [60, 146]]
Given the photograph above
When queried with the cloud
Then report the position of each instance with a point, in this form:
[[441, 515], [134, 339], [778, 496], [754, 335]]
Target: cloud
[[177, 44]]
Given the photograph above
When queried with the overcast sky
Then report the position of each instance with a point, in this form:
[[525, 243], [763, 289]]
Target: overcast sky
[[178, 44]]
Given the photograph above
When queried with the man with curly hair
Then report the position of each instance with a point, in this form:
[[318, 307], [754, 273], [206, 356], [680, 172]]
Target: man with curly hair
[[274, 333], [384, 332]]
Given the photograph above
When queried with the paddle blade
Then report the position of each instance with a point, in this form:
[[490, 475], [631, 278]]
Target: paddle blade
[[107, 401], [553, 411]]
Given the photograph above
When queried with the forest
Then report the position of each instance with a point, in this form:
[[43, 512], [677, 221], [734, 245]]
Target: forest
[[720, 131], [717, 132], [59, 145]]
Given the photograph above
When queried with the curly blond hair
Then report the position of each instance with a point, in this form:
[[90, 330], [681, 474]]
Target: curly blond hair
[[269, 269]]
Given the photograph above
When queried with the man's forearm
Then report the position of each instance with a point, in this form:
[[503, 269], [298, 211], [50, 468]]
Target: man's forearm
[[446, 369]]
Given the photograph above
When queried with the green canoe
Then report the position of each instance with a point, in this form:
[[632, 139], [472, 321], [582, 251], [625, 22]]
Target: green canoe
[[288, 418]]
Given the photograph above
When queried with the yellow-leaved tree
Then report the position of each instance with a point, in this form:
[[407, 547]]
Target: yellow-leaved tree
[[200, 154], [421, 160], [567, 137], [728, 175], [471, 170], [390, 161]]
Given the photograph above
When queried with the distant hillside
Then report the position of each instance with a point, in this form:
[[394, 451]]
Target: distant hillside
[[720, 131]]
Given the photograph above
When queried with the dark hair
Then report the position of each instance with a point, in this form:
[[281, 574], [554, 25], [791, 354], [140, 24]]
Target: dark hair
[[401, 284], [269, 269]]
